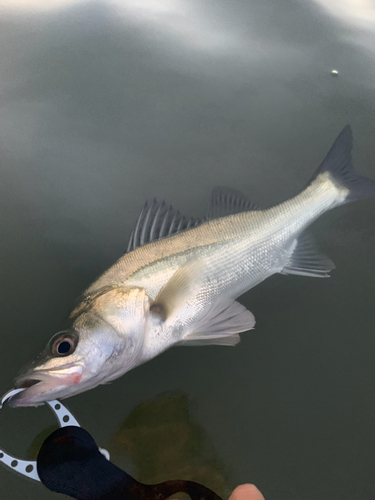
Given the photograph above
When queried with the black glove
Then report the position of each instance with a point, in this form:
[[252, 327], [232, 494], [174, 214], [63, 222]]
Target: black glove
[[70, 462]]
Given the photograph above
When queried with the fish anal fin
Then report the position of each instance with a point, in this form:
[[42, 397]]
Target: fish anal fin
[[307, 260]]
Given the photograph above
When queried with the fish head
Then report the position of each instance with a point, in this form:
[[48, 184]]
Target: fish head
[[104, 342]]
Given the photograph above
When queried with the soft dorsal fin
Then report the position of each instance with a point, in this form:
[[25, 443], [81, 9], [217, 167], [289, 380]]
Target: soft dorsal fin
[[226, 201], [156, 221]]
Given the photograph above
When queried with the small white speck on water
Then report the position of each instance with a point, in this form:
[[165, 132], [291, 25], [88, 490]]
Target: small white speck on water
[[334, 72]]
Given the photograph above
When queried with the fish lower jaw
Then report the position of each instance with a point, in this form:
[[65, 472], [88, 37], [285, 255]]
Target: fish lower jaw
[[39, 393], [32, 395], [44, 386]]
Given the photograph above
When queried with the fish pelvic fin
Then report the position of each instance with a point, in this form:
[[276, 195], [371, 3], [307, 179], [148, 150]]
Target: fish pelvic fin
[[338, 165], [221, 325]]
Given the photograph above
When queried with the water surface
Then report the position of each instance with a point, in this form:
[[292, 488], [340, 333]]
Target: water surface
[[106, 104]]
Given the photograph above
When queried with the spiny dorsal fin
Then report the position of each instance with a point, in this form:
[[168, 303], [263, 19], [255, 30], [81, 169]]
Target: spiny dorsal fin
[[158, 220], [306, 260], [226, 201]]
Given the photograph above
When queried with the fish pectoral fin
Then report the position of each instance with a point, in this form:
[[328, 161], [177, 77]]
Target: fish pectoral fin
[[221, 325], [307, 260], [227, 201], [182, 287]]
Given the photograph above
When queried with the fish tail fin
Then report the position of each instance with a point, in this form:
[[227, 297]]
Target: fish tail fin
[[338, 164]]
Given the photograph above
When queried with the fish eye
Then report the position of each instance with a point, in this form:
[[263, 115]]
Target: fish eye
[[64, 347], [64, 344]]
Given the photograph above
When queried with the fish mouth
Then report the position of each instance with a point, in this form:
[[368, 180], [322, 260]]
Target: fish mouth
[[29, 389], [45, 385], [25, 384], [26, 393]]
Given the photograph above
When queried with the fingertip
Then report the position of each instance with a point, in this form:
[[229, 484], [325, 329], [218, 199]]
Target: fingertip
[[246, 492]]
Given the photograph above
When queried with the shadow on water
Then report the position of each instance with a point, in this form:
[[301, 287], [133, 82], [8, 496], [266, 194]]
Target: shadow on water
[[160, 441]]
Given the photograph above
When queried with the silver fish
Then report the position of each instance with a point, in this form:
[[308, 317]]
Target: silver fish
[[179, 279]]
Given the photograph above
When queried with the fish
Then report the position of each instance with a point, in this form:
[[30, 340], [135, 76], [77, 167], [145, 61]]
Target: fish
[[178, 281]]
